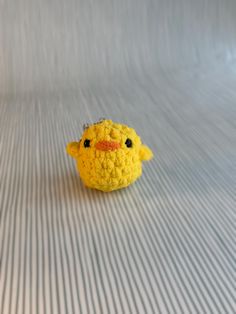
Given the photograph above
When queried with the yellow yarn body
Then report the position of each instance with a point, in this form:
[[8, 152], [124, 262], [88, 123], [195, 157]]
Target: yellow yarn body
[[109, 156]]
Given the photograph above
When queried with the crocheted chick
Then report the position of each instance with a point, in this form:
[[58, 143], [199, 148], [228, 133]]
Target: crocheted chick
[[109, 155]]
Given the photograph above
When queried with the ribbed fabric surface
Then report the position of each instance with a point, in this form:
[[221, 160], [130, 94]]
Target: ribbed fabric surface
[[164, 245]]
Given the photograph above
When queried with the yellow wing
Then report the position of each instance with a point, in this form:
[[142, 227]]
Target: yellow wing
[[145, 153], [73, 149]]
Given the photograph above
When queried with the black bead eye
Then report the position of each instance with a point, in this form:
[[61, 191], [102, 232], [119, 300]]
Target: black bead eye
[[128, 142], [87, 143]]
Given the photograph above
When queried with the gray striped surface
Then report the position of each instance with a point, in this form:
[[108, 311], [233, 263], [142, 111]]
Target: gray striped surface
[[164, 245]]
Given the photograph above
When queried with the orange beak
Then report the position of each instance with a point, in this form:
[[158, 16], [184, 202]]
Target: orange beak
[[107, 145]]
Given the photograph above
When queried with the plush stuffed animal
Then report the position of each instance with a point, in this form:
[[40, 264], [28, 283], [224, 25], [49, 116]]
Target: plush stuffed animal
[[109, 155]]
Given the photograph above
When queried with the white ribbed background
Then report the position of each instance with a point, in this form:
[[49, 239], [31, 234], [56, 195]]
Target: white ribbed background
[[167, 243]]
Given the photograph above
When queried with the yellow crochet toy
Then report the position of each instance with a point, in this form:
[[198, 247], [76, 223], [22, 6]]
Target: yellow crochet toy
[[109, 155]]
